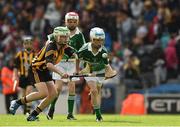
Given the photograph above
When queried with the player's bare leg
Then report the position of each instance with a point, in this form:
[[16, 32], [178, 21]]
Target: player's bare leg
[[58, 86], [44, 91], [94, 99], [27, 108], [99, 86], [51, 94], [23, 92], [40, 94]]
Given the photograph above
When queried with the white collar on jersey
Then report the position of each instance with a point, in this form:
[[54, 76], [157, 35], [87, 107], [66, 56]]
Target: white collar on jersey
[[90, 49]]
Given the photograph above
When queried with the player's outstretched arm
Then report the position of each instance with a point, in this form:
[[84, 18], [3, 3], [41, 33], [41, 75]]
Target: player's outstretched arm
[[52, 68], [77, 64]]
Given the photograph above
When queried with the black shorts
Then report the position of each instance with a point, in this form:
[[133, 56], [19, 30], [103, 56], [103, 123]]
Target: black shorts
[[38, 76], [25, 81]]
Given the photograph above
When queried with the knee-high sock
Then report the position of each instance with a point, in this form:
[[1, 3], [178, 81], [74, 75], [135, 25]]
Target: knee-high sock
[[36, 112], [53, 103], [97, 111], [71, 99]]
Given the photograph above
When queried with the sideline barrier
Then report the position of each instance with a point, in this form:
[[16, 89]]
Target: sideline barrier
[[134, 104]]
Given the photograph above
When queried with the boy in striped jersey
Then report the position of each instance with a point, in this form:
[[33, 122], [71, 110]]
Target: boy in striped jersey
[[68, 65], [22, 63], [41, 66]]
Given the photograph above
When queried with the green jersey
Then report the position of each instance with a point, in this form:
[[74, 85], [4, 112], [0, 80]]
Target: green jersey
[[76, 41], [96, 61]]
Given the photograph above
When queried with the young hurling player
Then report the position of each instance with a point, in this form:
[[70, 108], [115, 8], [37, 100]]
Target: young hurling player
[[40, 69], [68, 65], [22, 63], [95, 55]]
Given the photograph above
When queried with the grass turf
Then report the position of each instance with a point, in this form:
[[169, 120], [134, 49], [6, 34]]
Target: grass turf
[[89, 120]]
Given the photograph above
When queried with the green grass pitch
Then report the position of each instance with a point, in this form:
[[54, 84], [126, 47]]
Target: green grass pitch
[[89, 120]]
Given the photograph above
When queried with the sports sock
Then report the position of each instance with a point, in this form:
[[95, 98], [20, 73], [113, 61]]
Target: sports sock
[[97, 111], [71, 99], [36, 111], [22, 101], [53, 103]]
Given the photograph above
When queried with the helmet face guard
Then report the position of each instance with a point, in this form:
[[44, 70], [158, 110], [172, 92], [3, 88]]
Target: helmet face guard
[[97, 36], [61, 35], [71, 20], [62, 39], [27, 42], [27, 39]]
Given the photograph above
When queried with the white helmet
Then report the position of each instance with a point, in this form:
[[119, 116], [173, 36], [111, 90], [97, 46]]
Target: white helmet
[[71, 15], [61, 30], [97, 33], [27, 38]]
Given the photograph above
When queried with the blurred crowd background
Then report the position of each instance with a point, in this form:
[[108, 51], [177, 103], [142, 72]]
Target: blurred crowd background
[[142, 36]]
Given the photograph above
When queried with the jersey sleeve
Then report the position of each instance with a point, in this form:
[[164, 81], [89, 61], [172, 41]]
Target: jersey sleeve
[[82, 40], [69, 51], [17, 60], [106, 61], [50, 53], [80, 53]]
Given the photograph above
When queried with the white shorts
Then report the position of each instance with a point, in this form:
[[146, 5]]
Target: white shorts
[[98, 80], [65, 67]]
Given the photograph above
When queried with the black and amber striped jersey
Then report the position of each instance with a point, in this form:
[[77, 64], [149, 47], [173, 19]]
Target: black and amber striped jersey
[[22, 62], [50, 53]]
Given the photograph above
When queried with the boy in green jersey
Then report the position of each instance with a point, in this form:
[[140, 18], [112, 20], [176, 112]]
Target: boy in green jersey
[[95, 55], [68, 65]]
